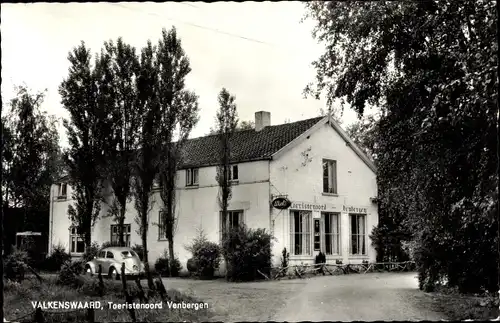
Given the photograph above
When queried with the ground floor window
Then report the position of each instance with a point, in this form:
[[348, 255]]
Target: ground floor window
[[115, 234], [232, 221], [77, 241], [358, 234], [300, 232], [332, 230]]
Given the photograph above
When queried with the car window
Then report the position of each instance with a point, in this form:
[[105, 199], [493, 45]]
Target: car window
[[109, 255], [102, 254]]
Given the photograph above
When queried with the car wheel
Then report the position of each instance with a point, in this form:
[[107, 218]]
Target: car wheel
[[113, 274], [88, 271]]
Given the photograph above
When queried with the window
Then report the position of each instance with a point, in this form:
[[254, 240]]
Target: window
[[332, 228], [62, 191], [329, 176], [192, 177], [77, 243], [115, 235], [109, 254], [300, 233], [233, 221], [233, 173], [162, 230], [102, 254], [358, 232]]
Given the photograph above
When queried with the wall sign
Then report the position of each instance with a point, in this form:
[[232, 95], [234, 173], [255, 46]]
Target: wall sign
[[312, 206], [352, 209], [281, 203]]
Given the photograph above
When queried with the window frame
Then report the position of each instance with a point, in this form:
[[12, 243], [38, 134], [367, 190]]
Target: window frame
[[126, 233], [232, 172], [335, 237], [306, 235], [76, 237], [190, 182], [223, 227], [331, 177], [358, 235], [161, 228]]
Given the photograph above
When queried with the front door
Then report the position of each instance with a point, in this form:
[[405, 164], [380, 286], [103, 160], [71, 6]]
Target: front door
[[317, 235]]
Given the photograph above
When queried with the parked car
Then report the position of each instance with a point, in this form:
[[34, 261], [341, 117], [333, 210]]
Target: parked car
[[111, 260]]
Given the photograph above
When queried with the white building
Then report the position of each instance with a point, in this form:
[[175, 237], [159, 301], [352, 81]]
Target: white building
[[330, 183]]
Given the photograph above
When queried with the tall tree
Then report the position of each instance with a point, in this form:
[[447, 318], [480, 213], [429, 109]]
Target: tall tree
[[123, 68], [179, 112], [363, 133], [32, 151], [227, 121], [432, 68], [87, 95], [146, 165], [243, 125]]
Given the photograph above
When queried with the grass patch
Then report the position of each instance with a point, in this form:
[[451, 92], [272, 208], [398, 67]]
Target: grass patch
[[19, 297], [459, 307]]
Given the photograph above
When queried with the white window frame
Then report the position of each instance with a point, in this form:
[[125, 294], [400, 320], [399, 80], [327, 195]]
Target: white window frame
[[60, 190], [331, 177], [230, 218], [162, 232], [127, 228], [232, 172], [190, 179], [334, 233], [305, 234], [74, 238], [359, 238]]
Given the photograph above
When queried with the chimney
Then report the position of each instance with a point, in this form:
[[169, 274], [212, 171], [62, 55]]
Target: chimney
[[262, 120]]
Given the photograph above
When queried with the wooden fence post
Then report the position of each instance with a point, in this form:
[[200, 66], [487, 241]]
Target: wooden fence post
[[90, 315], [101, 282], [128, 298], [39, 316]]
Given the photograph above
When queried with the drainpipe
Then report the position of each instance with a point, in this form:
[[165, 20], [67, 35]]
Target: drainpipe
[[269, 197], [51, 219]]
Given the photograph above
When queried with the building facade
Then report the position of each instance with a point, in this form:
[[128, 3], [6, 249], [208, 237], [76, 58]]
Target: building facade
[[305, 182]]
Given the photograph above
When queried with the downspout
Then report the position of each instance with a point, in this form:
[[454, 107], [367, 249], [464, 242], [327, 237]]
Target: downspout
[[269, 197], [51, 219]]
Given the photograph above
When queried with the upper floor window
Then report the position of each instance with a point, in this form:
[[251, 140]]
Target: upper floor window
[[192, 177], [115, 237], [329, 176], [233, 173], [62, 190]]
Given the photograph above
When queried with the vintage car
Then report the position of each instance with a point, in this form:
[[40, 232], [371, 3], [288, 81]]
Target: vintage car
[[111, 260]]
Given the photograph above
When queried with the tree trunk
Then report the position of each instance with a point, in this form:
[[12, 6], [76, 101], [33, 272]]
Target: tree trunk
[[121, 221], [144, 236]]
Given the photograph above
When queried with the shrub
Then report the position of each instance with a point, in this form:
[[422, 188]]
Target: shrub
[[192, 266], [139, 250], [69, 273], [206, 254], [15, 265], [247, 251], [108, 244], [285, 258], [91, 252], [163, 268], [58, 257]]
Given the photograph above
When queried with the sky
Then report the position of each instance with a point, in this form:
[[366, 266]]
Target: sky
[[259, 51]]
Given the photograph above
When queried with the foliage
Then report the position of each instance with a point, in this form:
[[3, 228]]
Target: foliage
[[121, 68], [108, 244], [192, 266], [247, 251], [15, 265], [242, 126], [285, 258], [57, 258], [163, 267], [31, 155], [139, 250], [69, 273], [86, 94], [431, 68], [179, 117], [227, 120], [206, 255], [91, 251]]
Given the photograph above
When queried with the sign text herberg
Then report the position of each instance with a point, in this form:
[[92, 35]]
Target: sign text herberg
[[354, 209]]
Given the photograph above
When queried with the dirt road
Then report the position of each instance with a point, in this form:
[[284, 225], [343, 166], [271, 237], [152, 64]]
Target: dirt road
[[366, 297]]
